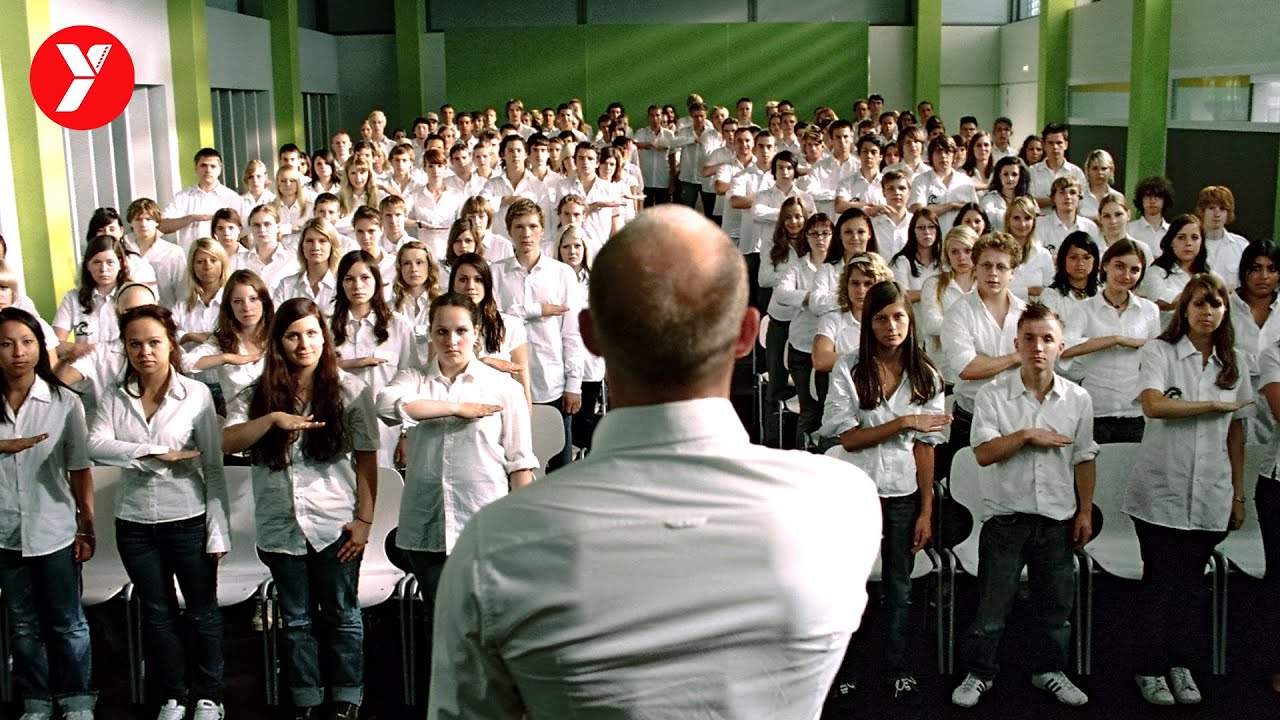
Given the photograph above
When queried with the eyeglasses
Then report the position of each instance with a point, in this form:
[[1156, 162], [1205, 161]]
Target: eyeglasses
[[820, 233], [989, 266]]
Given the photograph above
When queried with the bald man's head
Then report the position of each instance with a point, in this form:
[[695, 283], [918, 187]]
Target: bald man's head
[[668, 295]]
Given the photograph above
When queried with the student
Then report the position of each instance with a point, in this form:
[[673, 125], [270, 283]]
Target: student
[[367, 223], [1216, 207], [972, 215], [1075, 279], [436, 205], [191, 209], [893, 223], [308, 430], [11, 296], [626, 185], [89, 310], [197, 312], [324, 174], [790, 302], [540, 160], [103, 366], [172, 517], [1032, 150], [770, 190], [1001, 133], [657, 162], [340, 145], [464, 179], [1033, 432], [268, 259], [978, 161], [1113, 223], [1112, 325], [692, 142], [1255, 323], [291, 202], [1035, 270], [825, 176], [839, 331], [918, 259], [1054, 165], [503, 338], [166, 259], [48, 525], [358, 188], [1153, 198], [491, 245], [717, 149], [228, 232], [1182, 256], [942, 189], [393, 212], [1187, 488], [417, 282], [571, 249], [862, 188], [855, 234], [233, 351], [329, 207], [979, 328], [954, 280], [318, 256], [403, 180], [1064, 217], [545, 295], [1101, 170], [601, 199], [885, 404], [514, 181], [1009, 180], [743, 159], [254, 180], [911, 144], [370, 341]]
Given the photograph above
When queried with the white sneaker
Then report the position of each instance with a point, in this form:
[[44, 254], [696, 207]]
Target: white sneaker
[[970, 690], [78, 715], [1062, 688], [172, 711], [208, 710], [1154, 689], [34, 715], [1183, 686]]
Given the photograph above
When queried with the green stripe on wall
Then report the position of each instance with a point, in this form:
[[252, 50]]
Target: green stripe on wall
[[928, 73], [286, 71], [192, 99], [36, 152], [1055, 61], [1149, 91], [411, 23]]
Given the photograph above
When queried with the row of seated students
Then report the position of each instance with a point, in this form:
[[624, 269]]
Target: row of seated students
[[258, 309]]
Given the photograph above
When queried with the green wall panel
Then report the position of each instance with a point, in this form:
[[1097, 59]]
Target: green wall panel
[[809, 63]]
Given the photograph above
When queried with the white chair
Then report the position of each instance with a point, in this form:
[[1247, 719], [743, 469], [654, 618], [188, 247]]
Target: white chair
[[1116, 551], [104, 578], [548, 435], [1243, 547]]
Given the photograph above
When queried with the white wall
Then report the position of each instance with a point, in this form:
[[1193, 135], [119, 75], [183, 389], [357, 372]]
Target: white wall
[[1224, 36], [318, 58], [367, 80], [891, 63], [1101, 43], [239, 50], [1019, 65], [8, 202], [969, 87], [431, 65]]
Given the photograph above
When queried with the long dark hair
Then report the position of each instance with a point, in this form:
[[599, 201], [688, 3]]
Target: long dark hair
[[1255, 250], [224, 330], [1024, 180], [44, 370], [378, 303], [161, 315], [492, 329], [1224, 338], [837, 245], [970, 166], [101, 218], [912, 248], [925, 379], [98, 245], [778, 251], [1167, 259], [1061, 282], [276, 390]]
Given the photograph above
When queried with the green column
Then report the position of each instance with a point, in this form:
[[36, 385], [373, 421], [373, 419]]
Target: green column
[[928, 77], [192, 100], [411, 23], [1148, 91], [286, 72], [1055, 61], [39, 163]]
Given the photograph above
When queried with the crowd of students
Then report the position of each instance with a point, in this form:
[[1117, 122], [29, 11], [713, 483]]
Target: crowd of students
[[362, 308]]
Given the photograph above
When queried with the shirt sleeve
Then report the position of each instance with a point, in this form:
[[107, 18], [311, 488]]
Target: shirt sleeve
[[517, 432], [986, 415], [958, 348], [361, 423], [935, 406], [208, 438], [930, 316], [840, 412], [1244, 391], [919, 192], [75, 451], [106, 449], [1153, 368], [390, 401], [1083, 447], [64, 317], [571, 336]]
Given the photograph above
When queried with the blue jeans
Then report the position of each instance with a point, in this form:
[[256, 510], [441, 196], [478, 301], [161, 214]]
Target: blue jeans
[[48, 633], [1007, 543], [896, 562], [317, 589], [154, 555]]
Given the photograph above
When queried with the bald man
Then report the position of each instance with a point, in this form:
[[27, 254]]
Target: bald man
[[678, 571]]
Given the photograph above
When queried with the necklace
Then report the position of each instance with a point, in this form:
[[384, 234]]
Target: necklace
[[1119, 307]]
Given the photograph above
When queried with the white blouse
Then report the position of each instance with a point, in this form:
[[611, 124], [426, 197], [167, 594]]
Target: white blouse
[[1111, 376], [1037, 271], [96, 326]]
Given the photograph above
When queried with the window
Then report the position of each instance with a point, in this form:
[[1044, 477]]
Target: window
[[1266, 99], [1100, 101], [1224, 98], [1024, 9], [243, 131], [319, 112]]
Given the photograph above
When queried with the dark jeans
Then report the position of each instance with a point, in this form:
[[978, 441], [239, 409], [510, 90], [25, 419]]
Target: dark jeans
[[689, 193], [961, 427], [1173, 596], [585, 420], [154, 555], [709, 207], [1267, 499], [896, 562], [48, 634], [775, 360], [753, 280], [1118, 429], [316, 589], [656, 196], [427, 567], [810, 407], [565, 456], [1006, 544]]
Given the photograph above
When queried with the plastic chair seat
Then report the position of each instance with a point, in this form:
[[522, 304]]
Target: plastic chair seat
[[1243, 547]]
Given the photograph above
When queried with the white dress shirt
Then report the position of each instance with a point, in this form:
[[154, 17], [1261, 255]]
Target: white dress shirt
[[726, 171], [857, 188], [597, 224], [37, 508], [555, 345], [1111, 375], [995, 206], [765, 212], [194, 201], [153, 491], [929, 189], [1036, 271], [770, 274], [436, 216], [197, 317], [1250, 342], [929, 315], [693, 149], [891, 236], [1051, 231], [653, 163], [1182, 476], [1034, 480], [468, 188], [1089, 203], [969, 330], [572, 597], [843, 330], [298, 286], [456, 465], [747, 184], [309, 501], [281, 265], [824, 178], [96, 326], [1041, 178], [891, 463], [528, 187], [248, 202], [233, 379], [1224, 254], [1269, 372], [1142, 230], [170, 266], [716, 153], [797, 281]]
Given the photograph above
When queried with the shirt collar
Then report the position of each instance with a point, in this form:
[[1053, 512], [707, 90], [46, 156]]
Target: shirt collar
[[1185, 349], [1019, 387], [40, 391], [475, 372], [668, 423]]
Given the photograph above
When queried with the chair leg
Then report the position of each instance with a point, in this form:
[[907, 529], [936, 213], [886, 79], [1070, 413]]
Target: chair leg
[[947, 615], [133, 635], [1086, 616], [405, 590], [1222, 570], [6, 659], [270, 666]]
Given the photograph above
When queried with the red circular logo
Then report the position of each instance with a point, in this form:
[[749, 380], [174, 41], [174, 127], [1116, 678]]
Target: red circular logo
[[82, 77]]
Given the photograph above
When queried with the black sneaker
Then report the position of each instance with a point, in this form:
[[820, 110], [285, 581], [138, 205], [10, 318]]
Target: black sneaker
[[345, 711], [840, 699], [305, 713], [906, 691]]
